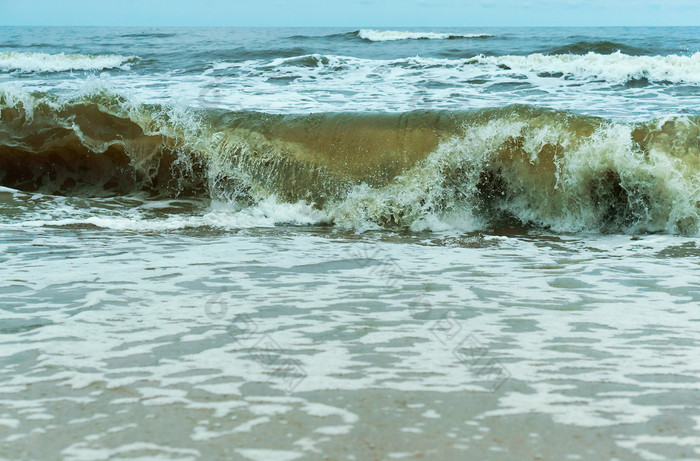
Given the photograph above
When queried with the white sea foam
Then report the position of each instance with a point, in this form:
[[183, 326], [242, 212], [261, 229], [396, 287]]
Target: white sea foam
[[264, 455], [613, 68], [267, 213], [329, 83], [43, 62], [393, 35]]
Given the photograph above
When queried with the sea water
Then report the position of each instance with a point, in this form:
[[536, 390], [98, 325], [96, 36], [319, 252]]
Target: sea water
[[277, 244]]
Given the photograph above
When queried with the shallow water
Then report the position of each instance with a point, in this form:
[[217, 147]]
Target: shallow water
[[319, 343], [194, 267]]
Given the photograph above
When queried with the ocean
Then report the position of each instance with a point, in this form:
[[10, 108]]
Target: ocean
[[349, 244]]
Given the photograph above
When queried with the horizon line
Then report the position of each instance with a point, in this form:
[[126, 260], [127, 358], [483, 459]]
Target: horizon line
[[579, 26]]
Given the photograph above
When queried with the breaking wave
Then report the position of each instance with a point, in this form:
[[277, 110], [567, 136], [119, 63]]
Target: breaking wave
[[42, 62], [393, 35], [600, 47], [516, 165], [614, 68]]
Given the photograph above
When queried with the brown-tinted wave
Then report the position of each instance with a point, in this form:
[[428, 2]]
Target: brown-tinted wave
[[415, 170], [91, 147]]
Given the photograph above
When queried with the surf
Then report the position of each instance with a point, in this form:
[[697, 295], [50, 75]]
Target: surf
[[28, 62], [416, 170]]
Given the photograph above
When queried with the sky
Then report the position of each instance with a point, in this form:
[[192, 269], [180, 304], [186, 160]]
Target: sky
[[350, 13]]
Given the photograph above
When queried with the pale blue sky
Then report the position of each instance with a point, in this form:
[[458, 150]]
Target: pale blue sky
[[351, 13]]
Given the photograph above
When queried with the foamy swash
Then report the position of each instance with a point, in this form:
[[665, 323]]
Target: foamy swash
[[516, 165]]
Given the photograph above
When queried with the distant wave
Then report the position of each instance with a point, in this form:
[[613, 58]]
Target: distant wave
[[393, 35], [42, 62], [343, 36], [150, 35], [613, 68], [600, 47]]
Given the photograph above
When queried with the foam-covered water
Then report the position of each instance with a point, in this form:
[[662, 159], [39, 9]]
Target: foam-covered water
[[349, 243]]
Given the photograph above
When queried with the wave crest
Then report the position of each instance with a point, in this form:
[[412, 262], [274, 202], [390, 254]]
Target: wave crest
[[614, 68], [416, 170], [393, 35], [599, 47], [42, 62]]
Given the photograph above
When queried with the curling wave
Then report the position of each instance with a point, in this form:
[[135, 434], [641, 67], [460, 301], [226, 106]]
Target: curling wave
[[419, 170], [42, 62]]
